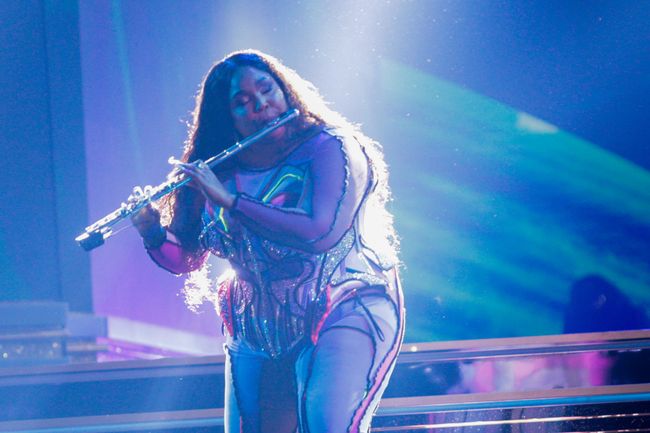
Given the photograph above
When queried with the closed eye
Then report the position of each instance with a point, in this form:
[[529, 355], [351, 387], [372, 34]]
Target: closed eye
[[241, 100]]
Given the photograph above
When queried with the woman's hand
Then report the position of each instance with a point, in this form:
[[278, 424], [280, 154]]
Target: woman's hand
[[204, 179], [147, 219]]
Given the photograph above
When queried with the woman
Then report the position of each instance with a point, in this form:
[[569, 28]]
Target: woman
[[312, 306]]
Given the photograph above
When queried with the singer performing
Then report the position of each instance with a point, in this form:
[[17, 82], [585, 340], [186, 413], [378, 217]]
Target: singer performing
[[312, 305]]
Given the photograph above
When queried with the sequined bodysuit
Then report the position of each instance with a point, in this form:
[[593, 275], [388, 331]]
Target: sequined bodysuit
[[299, 242]]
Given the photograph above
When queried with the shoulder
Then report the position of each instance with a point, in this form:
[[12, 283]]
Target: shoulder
[[330, 141], [345, 143], [330, 148], [343, 138]]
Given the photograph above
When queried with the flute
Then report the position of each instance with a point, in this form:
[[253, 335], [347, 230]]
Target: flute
[[96, 234]]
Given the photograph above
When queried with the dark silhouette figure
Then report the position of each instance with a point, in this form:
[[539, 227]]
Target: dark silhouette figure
[[597, 305]]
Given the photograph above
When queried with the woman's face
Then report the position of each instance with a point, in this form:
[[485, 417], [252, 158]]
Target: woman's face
[[255, 100]]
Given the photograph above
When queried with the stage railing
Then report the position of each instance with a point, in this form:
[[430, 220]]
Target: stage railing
[[572, 383]]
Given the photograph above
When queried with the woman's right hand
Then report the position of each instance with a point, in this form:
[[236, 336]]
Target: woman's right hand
[[147, 219]]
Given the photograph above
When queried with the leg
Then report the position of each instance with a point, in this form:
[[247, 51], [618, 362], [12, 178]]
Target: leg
[[341, 379], [260, 392], [242, 376]]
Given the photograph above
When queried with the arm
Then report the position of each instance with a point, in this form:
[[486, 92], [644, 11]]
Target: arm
[[162, 246], [339, 175], [170, 256]]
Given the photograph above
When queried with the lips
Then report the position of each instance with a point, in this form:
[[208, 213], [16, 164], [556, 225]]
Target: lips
[[265, 121], [261, 123]]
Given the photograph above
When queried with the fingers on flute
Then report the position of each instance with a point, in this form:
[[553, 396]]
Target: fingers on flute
[[139, 193]]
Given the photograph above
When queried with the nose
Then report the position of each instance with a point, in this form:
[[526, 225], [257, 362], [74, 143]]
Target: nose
[[260, 103]]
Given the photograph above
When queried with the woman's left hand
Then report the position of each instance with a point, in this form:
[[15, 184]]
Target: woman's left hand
[[204, 179]]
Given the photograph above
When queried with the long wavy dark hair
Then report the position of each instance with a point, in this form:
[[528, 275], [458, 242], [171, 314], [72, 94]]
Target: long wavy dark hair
[[212, 130]]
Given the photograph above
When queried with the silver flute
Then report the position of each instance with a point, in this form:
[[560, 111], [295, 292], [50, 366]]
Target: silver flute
[[96, 234]]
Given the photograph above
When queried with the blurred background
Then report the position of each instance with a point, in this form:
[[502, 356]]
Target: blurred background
[[517, 135]]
